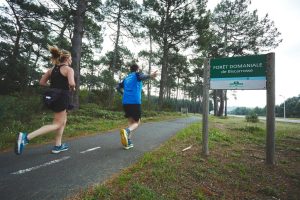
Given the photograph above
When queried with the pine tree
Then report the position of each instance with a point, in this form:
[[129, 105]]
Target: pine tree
[[80, 19], [172, 26], [22, 34], [121, 17]]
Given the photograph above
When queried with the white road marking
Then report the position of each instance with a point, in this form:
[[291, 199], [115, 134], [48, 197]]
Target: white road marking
[[92, 149], [22, 171]]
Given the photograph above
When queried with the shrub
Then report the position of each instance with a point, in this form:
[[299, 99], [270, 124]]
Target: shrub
[[252, 117], [249, 129], [95, 111], [20, 107]]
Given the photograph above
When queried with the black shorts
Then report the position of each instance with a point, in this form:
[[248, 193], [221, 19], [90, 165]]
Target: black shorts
[[61, 104], [133, 111]]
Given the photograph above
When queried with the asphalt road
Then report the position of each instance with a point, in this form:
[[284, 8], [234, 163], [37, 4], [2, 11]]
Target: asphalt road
[[37, 174]]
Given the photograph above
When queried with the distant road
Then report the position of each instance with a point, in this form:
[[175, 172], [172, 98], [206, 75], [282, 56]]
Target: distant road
[[297, 121]]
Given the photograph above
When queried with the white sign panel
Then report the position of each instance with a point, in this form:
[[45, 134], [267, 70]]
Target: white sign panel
[[248, 83]]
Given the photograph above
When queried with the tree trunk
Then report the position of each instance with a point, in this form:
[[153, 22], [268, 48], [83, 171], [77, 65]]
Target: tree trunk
[[61, 34], [29, 70], [164, 74], [225, 103], [116, 50], [17, 80], [77, 44], [169, 93], [164, 69], [149, 70], [199, 108], [225, 92], [16, 48], [221, 109], [37, 57], [215, 102], [177, 87], [117, 39]]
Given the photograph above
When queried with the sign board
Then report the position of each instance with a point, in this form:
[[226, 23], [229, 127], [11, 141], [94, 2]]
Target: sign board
[[248, 72], [238, 73]]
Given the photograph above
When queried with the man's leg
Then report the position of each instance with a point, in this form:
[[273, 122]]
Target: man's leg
[[133, 113], [126, 133], [132, 125]]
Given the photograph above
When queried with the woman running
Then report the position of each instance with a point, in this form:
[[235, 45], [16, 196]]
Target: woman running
[[61, 78]]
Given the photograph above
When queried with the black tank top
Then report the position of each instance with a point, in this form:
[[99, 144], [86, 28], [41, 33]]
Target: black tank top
[[57, 80]]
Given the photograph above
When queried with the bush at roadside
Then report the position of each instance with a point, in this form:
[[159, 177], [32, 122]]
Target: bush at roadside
[[252, 117]]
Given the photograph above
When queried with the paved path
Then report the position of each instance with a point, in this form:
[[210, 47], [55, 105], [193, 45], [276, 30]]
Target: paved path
[[37, 174]]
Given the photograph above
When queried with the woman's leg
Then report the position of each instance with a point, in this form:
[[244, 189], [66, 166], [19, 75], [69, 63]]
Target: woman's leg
[[58, 122], [59, 132]]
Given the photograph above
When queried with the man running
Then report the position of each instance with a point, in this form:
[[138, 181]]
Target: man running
[[131, 89]]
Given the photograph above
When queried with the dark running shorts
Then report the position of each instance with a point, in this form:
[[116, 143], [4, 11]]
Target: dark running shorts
[[133, 111], [61, 104]]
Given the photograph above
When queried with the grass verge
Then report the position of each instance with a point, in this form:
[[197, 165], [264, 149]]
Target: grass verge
[[235, 168], [88, 120]]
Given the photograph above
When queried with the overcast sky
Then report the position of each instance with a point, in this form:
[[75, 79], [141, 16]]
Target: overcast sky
[[286, 16]]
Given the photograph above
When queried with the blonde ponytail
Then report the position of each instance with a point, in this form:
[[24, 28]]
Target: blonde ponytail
[[58, 55], [55, 54]]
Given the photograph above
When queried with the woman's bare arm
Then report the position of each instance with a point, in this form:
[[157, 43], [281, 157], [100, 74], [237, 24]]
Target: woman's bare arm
[[71, 79], [45, 78]]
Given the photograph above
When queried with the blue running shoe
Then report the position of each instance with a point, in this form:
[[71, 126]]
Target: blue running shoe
[[129, 146], [58, 149], [124, 137], [20, 143]]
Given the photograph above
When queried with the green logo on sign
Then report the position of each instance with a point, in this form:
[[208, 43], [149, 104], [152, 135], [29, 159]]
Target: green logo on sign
[[236, 84], [244, 66]]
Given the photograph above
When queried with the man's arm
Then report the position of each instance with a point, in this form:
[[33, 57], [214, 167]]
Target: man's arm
[[142, 77], [119, 87]]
